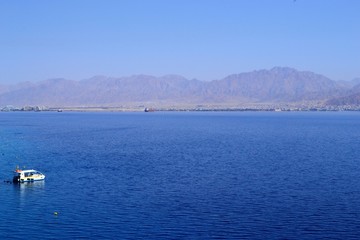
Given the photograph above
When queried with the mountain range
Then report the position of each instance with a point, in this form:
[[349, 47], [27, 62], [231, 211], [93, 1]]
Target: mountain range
[[279, 85]]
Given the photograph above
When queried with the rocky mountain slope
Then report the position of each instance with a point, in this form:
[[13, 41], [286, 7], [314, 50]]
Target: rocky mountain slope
[[277, 85]]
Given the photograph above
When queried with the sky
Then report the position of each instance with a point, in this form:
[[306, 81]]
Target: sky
[[198, 39]]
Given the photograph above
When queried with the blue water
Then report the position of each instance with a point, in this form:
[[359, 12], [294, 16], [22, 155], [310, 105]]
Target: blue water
[[168, 175]]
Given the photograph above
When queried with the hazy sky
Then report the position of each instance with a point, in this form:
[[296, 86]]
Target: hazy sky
[[203, 39]]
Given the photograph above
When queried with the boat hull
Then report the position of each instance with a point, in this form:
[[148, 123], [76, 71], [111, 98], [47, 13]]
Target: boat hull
[[21, 180]]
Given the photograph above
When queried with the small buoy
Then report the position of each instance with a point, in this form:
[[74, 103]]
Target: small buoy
[[55, 213]]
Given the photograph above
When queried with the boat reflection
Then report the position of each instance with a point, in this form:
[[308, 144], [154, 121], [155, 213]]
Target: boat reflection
[[29, 188], [29, 193]]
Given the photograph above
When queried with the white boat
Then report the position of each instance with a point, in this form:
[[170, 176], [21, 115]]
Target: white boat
[[32, 175]]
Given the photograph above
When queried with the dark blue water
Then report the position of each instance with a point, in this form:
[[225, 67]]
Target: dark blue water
[[182, 175]]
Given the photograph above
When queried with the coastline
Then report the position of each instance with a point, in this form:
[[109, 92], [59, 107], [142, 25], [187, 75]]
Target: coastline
[[184, 109]]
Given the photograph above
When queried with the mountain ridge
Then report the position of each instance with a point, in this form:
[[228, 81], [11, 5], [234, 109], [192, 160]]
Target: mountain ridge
[[279, 85]]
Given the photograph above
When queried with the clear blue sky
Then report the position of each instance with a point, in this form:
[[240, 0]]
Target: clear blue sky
[[202, 39]]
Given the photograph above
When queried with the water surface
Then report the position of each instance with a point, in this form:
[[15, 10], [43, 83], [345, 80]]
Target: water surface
[[248, 175]]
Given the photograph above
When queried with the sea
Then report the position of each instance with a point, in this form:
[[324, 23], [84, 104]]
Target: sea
[[181, 175]]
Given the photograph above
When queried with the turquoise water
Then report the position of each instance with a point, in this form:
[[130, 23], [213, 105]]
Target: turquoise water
[[164, 175]]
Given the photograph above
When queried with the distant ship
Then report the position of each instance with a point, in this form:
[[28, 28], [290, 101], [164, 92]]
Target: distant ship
[[149, 110]]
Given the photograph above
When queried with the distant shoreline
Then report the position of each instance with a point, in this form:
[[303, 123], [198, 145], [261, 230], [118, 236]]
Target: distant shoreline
[[184, 109]]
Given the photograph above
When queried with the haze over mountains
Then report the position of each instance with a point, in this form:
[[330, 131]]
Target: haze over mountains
[[278, 86]]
